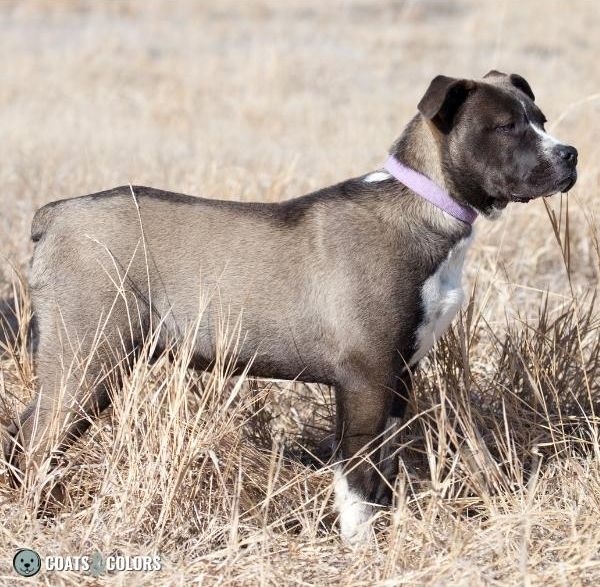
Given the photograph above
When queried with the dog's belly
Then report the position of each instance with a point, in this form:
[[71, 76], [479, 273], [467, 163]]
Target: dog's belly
[[441, 298]]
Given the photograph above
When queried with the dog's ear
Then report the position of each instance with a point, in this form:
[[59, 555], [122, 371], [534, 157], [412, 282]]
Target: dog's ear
[[515, 79], [494, 73], [522, 84], [443, 98]]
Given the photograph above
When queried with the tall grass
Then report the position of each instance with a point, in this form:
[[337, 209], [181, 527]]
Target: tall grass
[[222, 475], [230, 479]]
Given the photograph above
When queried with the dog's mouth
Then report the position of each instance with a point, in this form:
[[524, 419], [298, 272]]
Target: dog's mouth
[[522, 199], [569, 181], [562, 186]]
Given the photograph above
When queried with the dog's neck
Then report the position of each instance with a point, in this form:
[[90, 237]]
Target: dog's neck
[[414, 149], [419, 149], [429, 190]]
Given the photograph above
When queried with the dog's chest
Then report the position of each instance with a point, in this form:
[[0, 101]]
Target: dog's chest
[[441, 299]]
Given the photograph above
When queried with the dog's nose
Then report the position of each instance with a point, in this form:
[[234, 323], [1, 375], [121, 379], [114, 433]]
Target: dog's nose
[[568, 153]]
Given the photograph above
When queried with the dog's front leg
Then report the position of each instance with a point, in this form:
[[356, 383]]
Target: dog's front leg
[[389, 457], [362, 410]]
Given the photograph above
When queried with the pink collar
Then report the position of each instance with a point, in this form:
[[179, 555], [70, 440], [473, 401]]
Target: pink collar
[[429, 190]]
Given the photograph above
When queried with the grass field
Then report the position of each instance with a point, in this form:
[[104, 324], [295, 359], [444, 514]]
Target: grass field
[[265, 100]]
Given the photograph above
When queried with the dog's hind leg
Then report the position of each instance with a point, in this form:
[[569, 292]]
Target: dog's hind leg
[[75, 369]]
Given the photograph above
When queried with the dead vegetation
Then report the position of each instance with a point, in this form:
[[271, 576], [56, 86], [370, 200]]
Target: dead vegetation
[[228, 479]]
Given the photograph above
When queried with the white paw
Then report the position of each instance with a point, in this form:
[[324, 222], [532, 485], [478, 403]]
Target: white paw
[[355, 512]]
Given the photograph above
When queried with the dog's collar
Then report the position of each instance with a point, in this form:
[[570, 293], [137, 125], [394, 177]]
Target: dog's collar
[[429, 190]]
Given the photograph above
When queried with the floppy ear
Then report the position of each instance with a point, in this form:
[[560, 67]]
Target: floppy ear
[[443, 98], [515, 79], [521, 83], [494, 73]]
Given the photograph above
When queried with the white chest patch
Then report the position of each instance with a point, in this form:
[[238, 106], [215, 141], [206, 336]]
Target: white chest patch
[[442, 297]]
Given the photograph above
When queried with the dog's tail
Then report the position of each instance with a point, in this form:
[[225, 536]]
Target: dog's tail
[[41, 221]]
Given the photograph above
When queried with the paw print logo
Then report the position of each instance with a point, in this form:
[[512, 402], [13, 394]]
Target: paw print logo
[[27, 562]]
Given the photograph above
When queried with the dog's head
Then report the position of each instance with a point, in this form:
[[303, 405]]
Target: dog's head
[[493, 145]]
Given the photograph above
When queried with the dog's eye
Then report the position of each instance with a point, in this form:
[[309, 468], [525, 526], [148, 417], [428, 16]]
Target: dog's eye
[[504, 128]]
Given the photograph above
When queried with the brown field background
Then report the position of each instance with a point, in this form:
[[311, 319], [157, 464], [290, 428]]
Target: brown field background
[[266, 100]]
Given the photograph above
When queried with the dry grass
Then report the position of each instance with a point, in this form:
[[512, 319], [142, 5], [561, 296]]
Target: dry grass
[[266, 100]]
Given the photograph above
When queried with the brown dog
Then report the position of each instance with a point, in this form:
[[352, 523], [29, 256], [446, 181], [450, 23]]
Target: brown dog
[[348, 286]]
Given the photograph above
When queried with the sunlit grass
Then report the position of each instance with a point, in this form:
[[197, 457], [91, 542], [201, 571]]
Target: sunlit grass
[[228, 479]]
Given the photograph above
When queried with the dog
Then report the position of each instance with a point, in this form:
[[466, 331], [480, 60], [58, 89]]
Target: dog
[[348, 286]]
